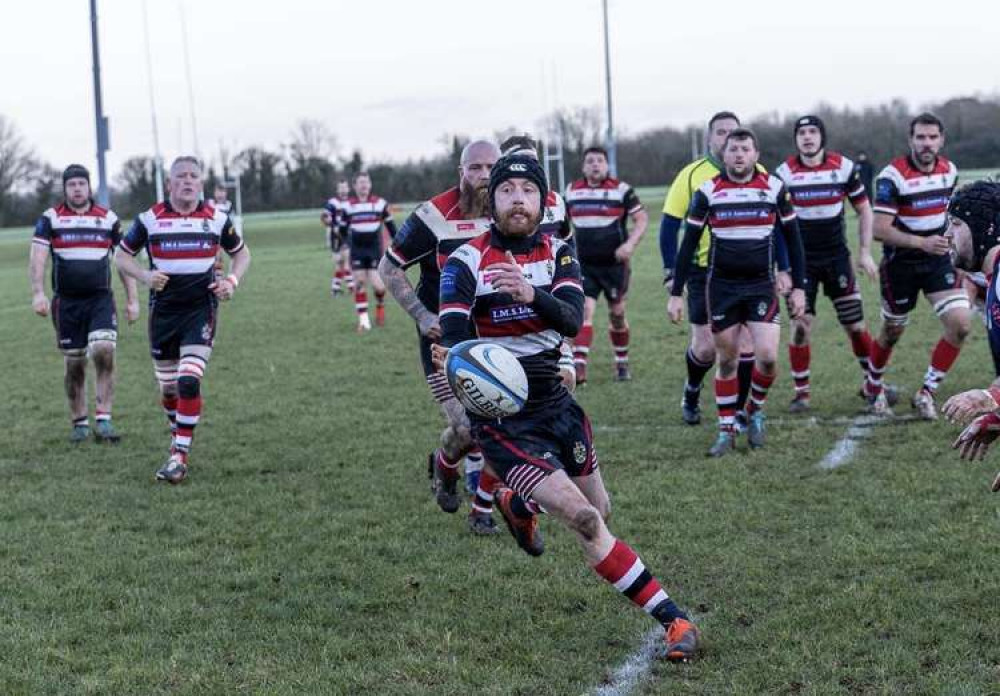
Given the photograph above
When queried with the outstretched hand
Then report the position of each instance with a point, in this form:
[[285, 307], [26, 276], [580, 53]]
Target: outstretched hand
[[509, 278]]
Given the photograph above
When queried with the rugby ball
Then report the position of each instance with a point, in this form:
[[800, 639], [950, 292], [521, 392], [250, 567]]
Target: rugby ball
[[486, 378]]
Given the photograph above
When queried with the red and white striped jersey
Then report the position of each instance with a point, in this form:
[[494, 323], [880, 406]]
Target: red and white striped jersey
[[917, 201], [555, 221], [818, 195], [599, 215], [363, 219], [81, 245]]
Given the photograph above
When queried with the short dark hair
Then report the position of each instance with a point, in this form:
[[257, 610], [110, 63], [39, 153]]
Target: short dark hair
[[926, 119], [358, 175], [595, 150], [722, 115], [743, 134]]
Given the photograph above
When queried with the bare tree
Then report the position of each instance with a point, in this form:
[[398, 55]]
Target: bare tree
[[19, 165], [311, 139]]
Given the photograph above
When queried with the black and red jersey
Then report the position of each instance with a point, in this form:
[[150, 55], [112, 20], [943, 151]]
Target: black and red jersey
[[362, 220], [81, 245], [430, 234], [818, 195], [918, 201], [554, 221], [600, 218]]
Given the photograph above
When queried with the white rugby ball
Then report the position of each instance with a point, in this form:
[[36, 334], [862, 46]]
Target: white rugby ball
[[486, 378]]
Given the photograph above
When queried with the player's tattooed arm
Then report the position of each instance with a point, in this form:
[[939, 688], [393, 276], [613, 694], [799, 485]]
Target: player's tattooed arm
[[399, 285], [36, 273]]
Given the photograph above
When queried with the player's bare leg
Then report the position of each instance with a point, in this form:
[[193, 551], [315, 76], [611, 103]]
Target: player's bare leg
[[379, 287], [744, 374], [102, 353], [348, 273], [618, 332], [727, 353], [766, 337], [456, 441], [889, 333], [610, 558], [799, 355], [361, 300], [952, 308], [75, 383], [700, 357], [583, 340], [190, 372], [338, 272]]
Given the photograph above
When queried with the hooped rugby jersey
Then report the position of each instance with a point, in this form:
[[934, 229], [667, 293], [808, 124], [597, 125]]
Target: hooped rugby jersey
[[917, 201], [742, 218], [818, 195], [225, 206], [363, 219], [430, 234], [81, 245], [549, 265], [335, 207], [600, 218], [555, 222], [184, 247]]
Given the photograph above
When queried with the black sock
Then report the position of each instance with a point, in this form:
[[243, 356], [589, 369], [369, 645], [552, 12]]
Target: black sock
[[518, 507], [696, 375], [744, 373]]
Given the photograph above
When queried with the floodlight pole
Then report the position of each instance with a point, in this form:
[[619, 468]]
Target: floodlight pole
[[157, 157], [99, 118], [190, 82], [610, 137]]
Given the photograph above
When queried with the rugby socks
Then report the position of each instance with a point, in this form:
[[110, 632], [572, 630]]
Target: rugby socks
[[581, 350], [745, 374], [361, 302], [338, 275], [170, 408], [188, 414], [696, 376], [861, 344], [759, 384], [488, 484], [448, 468], [380, 307], [877, 360], [81, 422], [625, 570], [619, 342], [726, 395], [349, 279], [942, 358], [798, 356]]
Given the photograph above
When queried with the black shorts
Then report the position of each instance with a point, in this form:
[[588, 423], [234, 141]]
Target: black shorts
[[75, 318], [903, 281], [171, 329], [696, 298], [365, 258], [611, 280], [835, 275], [523, 450], [732, 302]]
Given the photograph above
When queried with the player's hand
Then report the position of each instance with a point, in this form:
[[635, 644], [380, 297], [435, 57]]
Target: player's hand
[[675, 308], [132, 310], [963, 407], [40, 304], [974, 442], [430, 327], [224, 288], [438, 355], [784, 283], [797, 303], [156, 280], [935, 245], [668, 281], [509, 278], [624, 252], [867, 265]]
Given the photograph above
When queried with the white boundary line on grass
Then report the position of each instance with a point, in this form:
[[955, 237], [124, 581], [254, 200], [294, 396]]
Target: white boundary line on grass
[[636, 667], [861, 428]]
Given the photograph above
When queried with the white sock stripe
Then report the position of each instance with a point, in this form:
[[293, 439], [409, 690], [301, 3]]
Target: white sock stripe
[[726, 400], [625, 581], [655, 600], [482, 510], [804, 374]]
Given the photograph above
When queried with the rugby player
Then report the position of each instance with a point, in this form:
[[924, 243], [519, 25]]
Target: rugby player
[[599, 207], [81, 237], [545, 453], [700, 354], [911, 215], [434, 230], [744, 209], [366, 221], [220, 199], [182, 236], [818, 181], [335, 242]]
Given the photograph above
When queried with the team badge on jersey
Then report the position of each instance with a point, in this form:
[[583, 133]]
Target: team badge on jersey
[[761, 309], [842, 282], [579, 452], [206, 332]]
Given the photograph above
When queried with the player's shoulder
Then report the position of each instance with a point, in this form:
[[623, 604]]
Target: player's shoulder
[[788, 167], [471, 252], [898, 168], [446, 203], [695, 166], [553, 200], [945, 166]]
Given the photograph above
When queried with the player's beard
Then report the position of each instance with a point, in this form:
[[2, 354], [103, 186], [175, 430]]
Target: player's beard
[[926, 156], [518, 227], [474, 201]]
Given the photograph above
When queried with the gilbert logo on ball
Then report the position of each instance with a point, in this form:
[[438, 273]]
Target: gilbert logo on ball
[[486, 378]]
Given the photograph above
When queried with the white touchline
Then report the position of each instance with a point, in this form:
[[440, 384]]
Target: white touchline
[[629, 674], [861, 428]]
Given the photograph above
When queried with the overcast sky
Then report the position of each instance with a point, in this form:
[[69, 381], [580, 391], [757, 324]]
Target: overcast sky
[[391, 78]]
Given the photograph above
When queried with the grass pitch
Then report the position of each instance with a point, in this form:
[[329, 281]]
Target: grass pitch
[[305, 554]]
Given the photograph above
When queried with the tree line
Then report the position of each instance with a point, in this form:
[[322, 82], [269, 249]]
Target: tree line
[[303, 172]]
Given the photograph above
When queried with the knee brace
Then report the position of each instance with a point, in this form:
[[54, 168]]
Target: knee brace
[[893, 319], [959, 301], [849, 309]]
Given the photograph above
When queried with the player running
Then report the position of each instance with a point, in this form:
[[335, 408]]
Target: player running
[[81, 237], [545, 453], [700, 354], [818, 180], [434, 230], [911, 215], [340, 252], [742, 207], [366, 221], [599, 207], [182, 236]]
